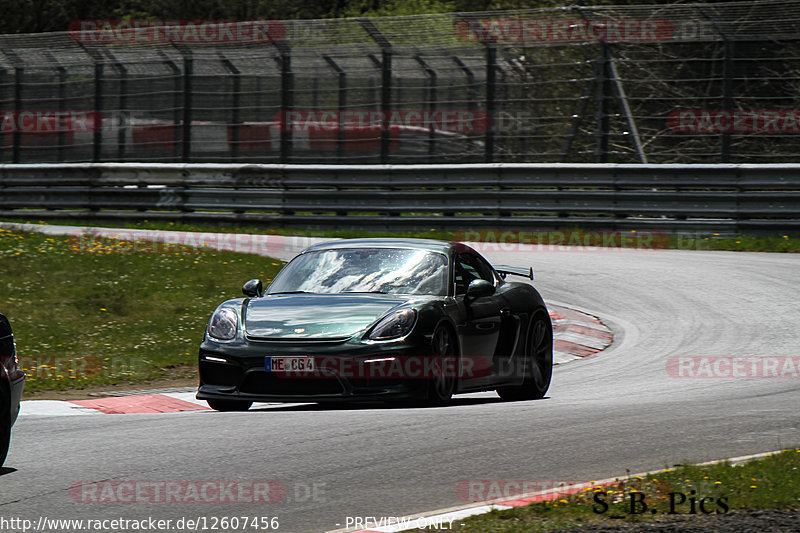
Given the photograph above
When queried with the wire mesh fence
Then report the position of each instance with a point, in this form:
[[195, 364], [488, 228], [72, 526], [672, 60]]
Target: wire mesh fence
[[660, 83]]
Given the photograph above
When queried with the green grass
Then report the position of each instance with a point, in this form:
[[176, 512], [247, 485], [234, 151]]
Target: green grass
[[742, 243], [233, 228], [565, 237], [769, 483], [90, 313]]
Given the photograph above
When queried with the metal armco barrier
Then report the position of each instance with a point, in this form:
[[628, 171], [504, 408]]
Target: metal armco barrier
[[718, 197]]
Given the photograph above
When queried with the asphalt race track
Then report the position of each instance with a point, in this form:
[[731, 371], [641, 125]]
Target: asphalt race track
[[614, 412]]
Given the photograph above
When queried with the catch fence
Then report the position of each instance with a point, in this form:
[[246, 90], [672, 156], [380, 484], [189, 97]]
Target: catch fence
[[677, 83]]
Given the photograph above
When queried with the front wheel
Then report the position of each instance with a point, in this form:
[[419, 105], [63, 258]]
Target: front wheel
[[229, 405], [538, 362], [442, 385]]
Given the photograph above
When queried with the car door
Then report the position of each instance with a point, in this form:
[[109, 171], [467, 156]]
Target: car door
[[480, 331]]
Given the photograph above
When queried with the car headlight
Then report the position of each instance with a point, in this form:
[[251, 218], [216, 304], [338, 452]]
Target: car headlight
[[223, 324], [395, 325]]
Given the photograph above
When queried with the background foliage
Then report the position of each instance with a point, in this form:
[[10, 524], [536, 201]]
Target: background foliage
[[33, 16]]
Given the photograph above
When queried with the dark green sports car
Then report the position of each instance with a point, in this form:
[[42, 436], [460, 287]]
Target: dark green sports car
[[379, 319]]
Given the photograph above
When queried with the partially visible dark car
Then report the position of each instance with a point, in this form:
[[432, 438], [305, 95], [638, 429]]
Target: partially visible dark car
[[379, 319], [12, 379]]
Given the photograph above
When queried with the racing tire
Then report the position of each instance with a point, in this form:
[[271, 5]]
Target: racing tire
[[442, 386], [538, 362], [5, 423]]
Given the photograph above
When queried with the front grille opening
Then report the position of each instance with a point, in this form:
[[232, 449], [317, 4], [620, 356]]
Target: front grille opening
[[271, 384], [220, 374]]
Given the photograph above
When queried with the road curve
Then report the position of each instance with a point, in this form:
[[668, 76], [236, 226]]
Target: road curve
[[605, 415]]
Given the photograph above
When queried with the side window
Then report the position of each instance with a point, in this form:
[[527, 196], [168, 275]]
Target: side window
[[469, 267]]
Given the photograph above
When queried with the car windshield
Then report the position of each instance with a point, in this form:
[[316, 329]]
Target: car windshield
[[378, 270]]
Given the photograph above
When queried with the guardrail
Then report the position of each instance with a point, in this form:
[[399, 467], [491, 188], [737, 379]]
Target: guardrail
[[719, 197]]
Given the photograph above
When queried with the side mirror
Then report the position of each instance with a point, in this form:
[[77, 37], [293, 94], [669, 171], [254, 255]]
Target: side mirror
[[478, 288], [253, 288]]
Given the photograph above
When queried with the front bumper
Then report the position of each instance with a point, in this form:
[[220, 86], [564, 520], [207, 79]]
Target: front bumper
[[347, 372]]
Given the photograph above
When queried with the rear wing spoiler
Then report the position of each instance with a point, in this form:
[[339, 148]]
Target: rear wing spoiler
[[504, 270]]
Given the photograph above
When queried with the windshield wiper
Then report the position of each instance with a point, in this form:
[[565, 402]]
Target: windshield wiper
[[343, 292], [365, 292]]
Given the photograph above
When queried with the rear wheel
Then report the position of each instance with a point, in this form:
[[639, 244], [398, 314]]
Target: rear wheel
[[5, 423], [229, 405], [538, 362], [442, 385]]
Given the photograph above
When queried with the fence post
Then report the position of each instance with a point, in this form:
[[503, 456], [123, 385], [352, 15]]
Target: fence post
[[577, 120], [727, 78], [728, 73], [626, 108], [3, 73], [19, 73], [386, 102], [97, 141], [432, 97], [386, 84], [186, 130], [62, 96], [287, 100], [122, 112], [176, 103], [491, 87], [471, 92], [236, 103], [177, 113], [603, 95], [342, 103]]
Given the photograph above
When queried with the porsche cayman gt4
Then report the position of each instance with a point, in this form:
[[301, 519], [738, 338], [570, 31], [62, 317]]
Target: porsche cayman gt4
[[379, 319]]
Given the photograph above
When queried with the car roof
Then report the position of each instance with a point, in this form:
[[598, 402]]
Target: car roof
[[387, 242]]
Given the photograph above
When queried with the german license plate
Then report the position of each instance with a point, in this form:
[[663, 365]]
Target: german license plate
[[289, 364]]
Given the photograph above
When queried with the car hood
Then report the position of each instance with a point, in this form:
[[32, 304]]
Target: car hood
[[316, 316]]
